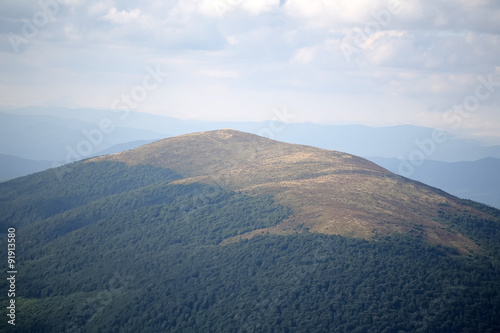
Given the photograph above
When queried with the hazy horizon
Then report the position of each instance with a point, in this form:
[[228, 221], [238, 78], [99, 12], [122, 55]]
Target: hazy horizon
[[382, 63]]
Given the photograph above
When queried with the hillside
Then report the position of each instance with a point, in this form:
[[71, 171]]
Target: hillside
[[328, 191], [225, 231]]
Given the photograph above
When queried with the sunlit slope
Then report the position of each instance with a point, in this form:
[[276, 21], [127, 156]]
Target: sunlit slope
[[328, 191]]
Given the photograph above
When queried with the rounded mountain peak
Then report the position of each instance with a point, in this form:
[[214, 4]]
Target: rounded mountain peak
[[328, 191]]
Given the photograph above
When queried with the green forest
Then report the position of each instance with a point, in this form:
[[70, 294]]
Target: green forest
[[104, 247]]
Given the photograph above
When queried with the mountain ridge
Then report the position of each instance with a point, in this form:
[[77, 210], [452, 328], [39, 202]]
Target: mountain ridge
[[272, 237], [329, 192]]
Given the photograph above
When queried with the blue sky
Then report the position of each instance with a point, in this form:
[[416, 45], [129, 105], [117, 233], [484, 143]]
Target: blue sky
[[429, 63]]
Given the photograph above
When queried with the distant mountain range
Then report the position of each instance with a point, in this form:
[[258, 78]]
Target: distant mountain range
[[226, 231], [33, 139], [52, 138], [476, 180], [51, 130], [13, 167]]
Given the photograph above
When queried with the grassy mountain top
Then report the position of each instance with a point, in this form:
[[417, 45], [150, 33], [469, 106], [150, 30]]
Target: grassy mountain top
[[328, 191]]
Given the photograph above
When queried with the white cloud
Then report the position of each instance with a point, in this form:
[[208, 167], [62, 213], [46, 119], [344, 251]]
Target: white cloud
[[332, 13], [122, 16], [219, 74], [100, 8], [223, 8], [304, 55], [258, 7], [426, 56]]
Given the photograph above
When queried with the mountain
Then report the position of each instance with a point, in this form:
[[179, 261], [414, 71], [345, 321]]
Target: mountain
[[13, 167], [49, 138], [476, 180], [124, 147], [225, 231], [63, 135], [336, 193], [401, 141]]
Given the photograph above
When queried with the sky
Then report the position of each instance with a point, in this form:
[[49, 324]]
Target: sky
[[372, 62]]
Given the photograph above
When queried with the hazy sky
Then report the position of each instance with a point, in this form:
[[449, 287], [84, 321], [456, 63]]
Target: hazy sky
[[366, 62]]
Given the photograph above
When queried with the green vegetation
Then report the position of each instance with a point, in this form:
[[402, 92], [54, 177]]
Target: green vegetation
[[484, 230], [111, 248], [45, 194]]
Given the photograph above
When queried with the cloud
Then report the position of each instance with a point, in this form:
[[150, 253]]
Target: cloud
[[100, 8], [424, 54], [304, 55], [219, 74], [224, 8], [258, 7], [122, 16]]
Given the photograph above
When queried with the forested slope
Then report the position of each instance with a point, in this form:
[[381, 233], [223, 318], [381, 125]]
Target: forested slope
[[109, 247]]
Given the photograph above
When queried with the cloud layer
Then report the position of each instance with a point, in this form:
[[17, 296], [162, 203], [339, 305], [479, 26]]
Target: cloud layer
[[372, 62]]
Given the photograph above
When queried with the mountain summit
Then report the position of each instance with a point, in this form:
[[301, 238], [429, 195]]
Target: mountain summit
[[225, 231], [328, 191]]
